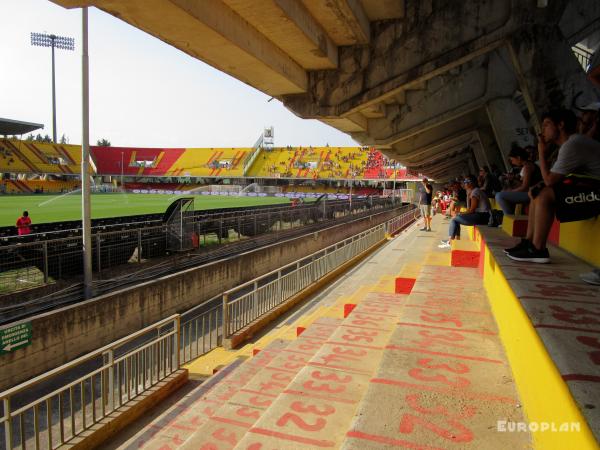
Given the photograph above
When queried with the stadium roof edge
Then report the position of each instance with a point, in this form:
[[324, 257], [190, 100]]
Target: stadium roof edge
[[17, 127]]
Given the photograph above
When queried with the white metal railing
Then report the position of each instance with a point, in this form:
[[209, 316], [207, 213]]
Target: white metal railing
[[115, 374], [37, 414], [251, 158], [201, 332], [249, 301]]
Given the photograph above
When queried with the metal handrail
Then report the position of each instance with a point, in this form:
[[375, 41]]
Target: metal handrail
[[233, 308], [118, 380]]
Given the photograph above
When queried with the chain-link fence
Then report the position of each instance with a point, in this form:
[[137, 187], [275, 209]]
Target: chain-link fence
[[37, 260]]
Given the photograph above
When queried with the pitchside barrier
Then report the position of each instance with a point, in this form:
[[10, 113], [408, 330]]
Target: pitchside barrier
[[37, 414], [37, 262]]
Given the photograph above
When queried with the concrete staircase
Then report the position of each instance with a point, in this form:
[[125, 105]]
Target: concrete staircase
[[417, 370]]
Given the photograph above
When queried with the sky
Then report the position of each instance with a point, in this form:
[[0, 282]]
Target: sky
[[143, 92]]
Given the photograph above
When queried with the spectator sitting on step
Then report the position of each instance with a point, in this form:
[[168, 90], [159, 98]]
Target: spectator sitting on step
[[572, 197], [488, 181], [477, 214], [458, 200], [530, 174]]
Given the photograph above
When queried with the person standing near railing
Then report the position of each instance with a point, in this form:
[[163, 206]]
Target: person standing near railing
[[23, 224]]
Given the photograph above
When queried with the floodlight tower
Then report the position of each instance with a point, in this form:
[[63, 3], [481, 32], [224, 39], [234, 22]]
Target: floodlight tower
[[53, 41]]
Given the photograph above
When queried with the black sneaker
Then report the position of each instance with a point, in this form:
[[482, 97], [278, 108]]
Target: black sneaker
[[521, 245], [531, 254], [423, 229]]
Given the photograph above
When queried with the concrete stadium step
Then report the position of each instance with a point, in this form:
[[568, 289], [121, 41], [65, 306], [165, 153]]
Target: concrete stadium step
[[515, 225], [232, 420], [443, 379], [175, 425], [317, 407]]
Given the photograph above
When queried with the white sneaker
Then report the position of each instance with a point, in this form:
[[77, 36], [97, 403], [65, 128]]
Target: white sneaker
[[445, 244], [592, 277]]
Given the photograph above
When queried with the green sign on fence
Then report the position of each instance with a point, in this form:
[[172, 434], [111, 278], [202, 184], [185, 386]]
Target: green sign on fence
[[15, 337]]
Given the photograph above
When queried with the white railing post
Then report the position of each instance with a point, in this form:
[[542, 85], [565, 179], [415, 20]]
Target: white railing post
[[109, 358], [177, 325], [225, 323], [7, 424], [255, 301]]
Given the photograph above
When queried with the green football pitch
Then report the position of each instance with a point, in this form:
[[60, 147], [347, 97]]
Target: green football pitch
[[45, 208]]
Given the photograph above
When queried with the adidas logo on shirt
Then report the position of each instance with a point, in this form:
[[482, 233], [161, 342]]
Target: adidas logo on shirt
[[583, 198]]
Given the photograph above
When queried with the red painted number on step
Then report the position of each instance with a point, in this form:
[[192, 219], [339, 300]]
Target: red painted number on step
[[356, 338], [561, 291], [296, 358], [444, 339], [256, 402], [364, 323], [594, 343], [292, 366], [222, 435], [544, 273], [428, 316], [372, 309], [429, 374], [323, 387], [329, 358], [582, 316], [452, 430], [318, 375], [254, 446], [309, 347], [247, 412], [300, 423], [324, 410], [349, 352], [281, 377], [368, 317]]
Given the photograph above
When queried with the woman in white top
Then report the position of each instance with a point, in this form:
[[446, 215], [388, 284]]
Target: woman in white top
[[478, 213], [530, 175]]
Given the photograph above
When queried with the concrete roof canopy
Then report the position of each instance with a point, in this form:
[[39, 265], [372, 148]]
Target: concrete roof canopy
[[17, 127], [408, 76]]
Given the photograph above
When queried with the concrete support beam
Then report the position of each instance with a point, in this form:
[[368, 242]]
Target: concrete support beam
[[302, 38], [374, 112], [509, 127], [440, 147], [300, 16], [224, 21], [214, 33], [345, 20]]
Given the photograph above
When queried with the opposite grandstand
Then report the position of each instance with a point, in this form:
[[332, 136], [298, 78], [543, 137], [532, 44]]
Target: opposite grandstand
[[154, 177]]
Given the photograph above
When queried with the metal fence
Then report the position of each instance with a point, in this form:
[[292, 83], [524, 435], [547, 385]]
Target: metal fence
[[249, 301], [201, 329], [31, 263], [38, 415]]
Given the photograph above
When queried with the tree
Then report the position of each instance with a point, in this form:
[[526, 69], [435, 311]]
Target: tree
[[103, 143], [30, 137]]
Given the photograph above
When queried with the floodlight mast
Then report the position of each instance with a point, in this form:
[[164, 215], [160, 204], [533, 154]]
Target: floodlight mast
[[53, 41]]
